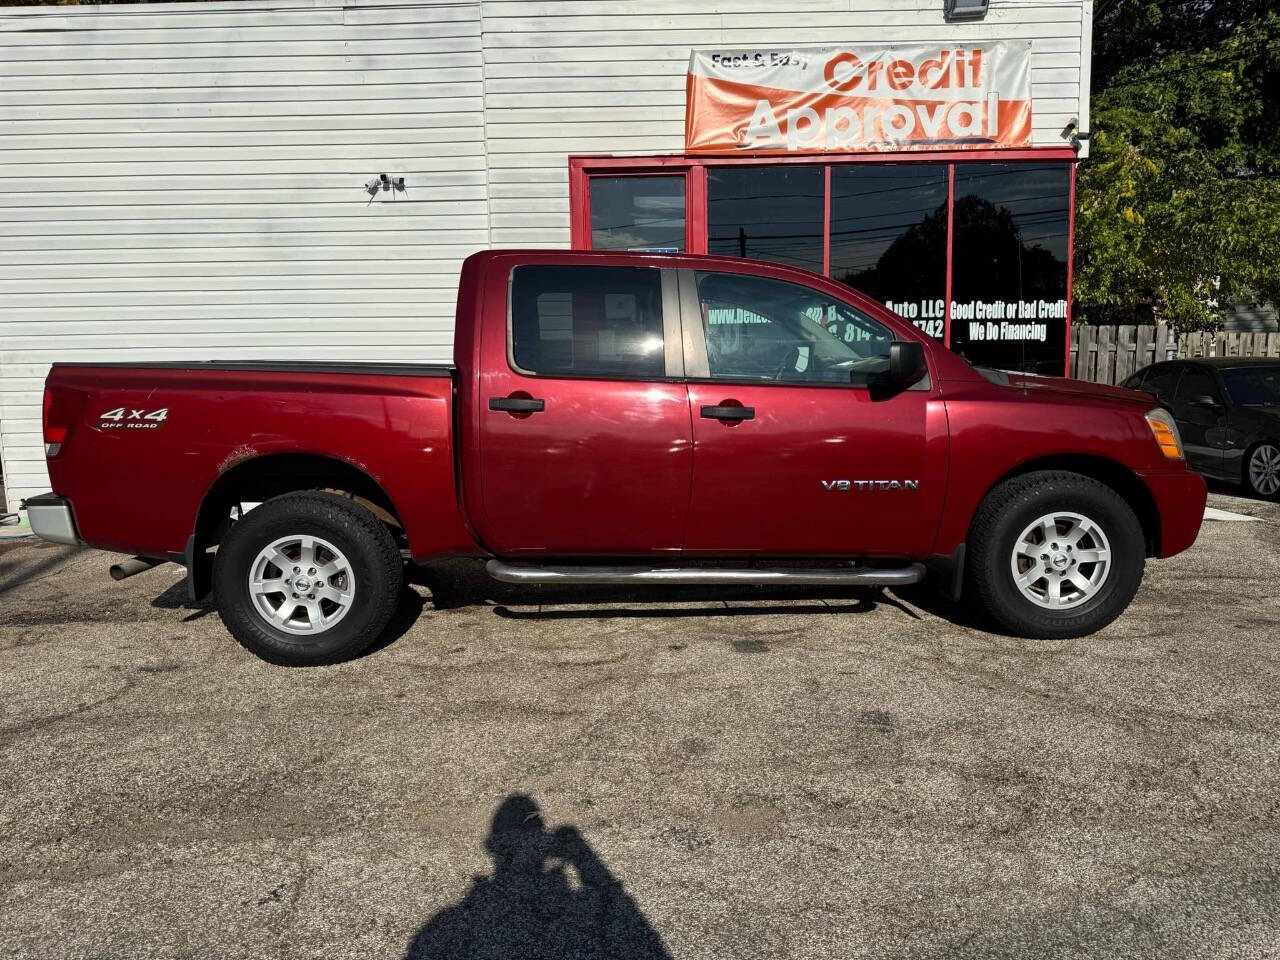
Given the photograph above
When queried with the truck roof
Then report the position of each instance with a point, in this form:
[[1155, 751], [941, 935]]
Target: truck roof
[[691, 260]]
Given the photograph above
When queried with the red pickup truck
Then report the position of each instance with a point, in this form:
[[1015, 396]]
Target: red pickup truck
[[620, 418]]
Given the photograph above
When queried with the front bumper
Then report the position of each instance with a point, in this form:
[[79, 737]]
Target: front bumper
[[51, 518], [1180, 500]]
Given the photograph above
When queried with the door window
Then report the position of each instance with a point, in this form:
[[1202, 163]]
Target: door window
[[1254, 387], [587, 321], [762, 329], [644, 213], [1196, 383], [1161, 381]]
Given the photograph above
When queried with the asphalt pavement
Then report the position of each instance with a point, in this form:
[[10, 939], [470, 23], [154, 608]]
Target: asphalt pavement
[[653, 775]]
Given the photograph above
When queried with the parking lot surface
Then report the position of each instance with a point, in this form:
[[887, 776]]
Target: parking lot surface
[[647, 775]]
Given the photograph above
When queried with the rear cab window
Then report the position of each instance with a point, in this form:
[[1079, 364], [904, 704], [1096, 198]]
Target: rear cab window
[[587, 321]]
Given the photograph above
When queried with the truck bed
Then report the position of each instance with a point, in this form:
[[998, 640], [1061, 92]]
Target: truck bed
[[152, 442]]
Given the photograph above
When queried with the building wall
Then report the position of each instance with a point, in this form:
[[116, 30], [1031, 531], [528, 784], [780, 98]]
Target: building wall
[[597, 76], [185, 181]]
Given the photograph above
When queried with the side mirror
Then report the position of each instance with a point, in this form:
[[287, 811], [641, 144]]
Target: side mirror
[[906, 362], [1206, 401]]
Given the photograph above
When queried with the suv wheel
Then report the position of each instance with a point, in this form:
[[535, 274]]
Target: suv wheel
[[1262, 471], [307, 579], [1055, 554]]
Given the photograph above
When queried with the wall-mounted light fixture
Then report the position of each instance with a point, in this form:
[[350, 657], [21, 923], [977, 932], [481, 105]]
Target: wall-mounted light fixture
[[960, 10]]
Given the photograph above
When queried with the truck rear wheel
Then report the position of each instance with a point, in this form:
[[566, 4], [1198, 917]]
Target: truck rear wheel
[[307, 579], [1055, 554]]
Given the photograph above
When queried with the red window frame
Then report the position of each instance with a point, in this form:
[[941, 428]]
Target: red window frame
[[582, 168], [580, 201]]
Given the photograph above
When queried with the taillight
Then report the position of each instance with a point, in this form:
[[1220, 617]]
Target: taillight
[[61, 409]]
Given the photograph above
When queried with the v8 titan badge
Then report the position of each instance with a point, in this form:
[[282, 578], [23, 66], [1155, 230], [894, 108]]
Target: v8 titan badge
[[130, 418]]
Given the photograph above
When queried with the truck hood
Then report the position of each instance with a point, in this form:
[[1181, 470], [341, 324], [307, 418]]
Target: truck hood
[[1061, 386]]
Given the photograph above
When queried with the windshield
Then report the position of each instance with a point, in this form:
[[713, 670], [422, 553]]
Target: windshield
[[1254, 386]]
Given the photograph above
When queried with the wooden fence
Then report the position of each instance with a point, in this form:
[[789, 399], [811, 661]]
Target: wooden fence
[[1110, 354]]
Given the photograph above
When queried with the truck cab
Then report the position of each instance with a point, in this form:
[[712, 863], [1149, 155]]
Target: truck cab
[[696, 408]]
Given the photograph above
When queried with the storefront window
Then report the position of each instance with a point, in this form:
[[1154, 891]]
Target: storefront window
[[1009, 265], [889, 237], [638, 213], [767, 213], [884, 233]]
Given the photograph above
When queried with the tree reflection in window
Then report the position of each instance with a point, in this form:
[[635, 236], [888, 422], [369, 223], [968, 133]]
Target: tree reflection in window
[[889, 236], [1009, 264]]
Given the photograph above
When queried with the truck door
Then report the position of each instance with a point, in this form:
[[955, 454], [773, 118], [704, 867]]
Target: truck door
[[585, 441], [799, 445]]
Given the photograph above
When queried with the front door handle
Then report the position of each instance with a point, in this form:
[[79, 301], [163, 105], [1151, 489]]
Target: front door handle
[[517, 404], [729, 413]]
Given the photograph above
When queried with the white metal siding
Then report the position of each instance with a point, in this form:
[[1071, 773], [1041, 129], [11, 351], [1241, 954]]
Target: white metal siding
[[600, 76], [185, 180]]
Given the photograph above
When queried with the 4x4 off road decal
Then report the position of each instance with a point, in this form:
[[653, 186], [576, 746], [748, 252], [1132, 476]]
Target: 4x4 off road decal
[[132, 418]]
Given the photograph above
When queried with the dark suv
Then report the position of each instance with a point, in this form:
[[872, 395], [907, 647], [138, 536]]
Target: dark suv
[[1228, 412]]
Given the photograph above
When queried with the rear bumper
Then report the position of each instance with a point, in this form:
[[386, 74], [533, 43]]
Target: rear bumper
[[51, 518], [1180, 500]]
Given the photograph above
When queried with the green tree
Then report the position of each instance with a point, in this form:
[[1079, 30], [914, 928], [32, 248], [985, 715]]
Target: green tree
[[1178, 209]]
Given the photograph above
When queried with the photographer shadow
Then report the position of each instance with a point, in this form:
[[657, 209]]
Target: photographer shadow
[[549, 896]]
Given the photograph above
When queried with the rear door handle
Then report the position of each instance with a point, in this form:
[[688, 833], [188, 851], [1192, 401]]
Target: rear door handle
[[729, 413], [517, 404]]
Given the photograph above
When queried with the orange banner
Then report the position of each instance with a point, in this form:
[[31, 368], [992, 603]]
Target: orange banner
[[836, 100]]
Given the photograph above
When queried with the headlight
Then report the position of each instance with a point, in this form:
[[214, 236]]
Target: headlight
[[1166, 432]]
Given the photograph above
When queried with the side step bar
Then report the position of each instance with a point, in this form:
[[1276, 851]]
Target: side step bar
[[850, 576]]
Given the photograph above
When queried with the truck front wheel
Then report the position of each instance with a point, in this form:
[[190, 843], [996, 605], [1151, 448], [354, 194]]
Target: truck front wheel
[[307, 579], [1054, 554]]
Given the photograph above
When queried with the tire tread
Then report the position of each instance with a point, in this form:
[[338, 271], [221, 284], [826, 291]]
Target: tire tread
[[385, 581], [986, 558]]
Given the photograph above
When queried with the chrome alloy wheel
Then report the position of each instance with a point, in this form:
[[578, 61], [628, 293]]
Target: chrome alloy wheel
[[301, 584], [1061, 560], [1264, 469]]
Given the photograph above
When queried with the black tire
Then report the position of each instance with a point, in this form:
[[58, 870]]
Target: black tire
[[1265, 448], [1011, 508], [376, 568]]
